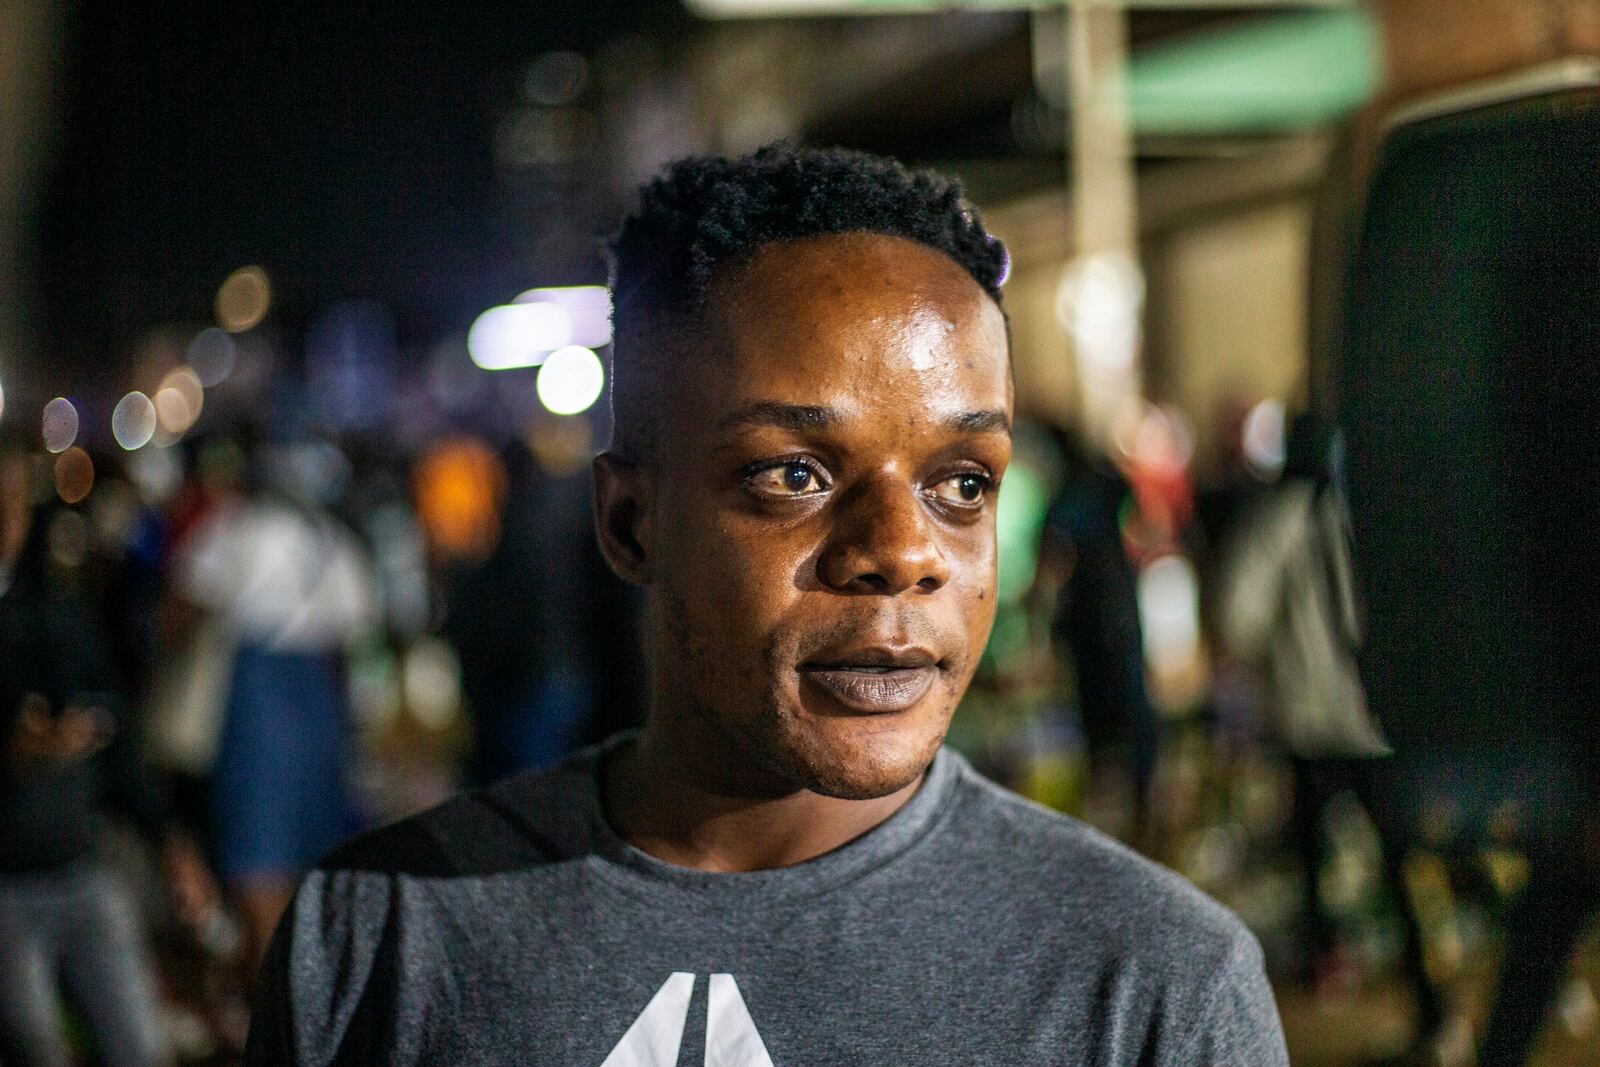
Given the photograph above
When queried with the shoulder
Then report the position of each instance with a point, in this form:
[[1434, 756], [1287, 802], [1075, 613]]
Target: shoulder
[[522, 824], [527, 820], [387, 893], [1163, 963], [345, 904], [1168, 960], [1065, 874]]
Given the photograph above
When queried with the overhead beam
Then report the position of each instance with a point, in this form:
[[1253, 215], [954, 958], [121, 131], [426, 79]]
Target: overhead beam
[[723, 9]]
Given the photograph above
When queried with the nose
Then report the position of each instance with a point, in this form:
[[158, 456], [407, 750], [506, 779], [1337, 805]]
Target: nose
[[882, 543]]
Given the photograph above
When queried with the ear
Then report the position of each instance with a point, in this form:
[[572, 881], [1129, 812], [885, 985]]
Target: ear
[[622, 517]]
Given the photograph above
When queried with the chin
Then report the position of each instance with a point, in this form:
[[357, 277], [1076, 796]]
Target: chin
[[857, 758]]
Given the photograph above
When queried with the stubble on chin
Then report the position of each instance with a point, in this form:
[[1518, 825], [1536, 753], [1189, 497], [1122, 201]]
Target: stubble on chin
[[866, 772], [785, 745], [846, 758]]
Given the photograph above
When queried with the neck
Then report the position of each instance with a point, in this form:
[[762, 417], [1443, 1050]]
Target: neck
[[675, 801]]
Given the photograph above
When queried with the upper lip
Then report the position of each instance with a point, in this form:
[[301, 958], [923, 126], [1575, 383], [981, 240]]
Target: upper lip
[[911, 657]]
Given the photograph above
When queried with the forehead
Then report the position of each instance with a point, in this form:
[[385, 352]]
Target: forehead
[[853, 319]]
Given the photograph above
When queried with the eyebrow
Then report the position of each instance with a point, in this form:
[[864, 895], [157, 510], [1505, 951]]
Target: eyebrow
[[980, 422], [796, 417], [802, 417]]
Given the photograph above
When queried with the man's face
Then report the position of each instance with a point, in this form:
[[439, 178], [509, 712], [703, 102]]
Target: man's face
[[823, 509]]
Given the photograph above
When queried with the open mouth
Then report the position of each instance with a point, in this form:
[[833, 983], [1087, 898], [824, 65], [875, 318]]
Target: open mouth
[[872, 681]]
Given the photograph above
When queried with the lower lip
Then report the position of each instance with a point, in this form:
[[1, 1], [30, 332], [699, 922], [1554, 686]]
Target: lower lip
[[873, 692]]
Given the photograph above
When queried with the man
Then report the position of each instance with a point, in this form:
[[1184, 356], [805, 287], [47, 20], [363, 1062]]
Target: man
[[783, 869]]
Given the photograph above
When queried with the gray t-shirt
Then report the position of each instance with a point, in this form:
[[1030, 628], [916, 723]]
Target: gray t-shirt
[[513, 926]]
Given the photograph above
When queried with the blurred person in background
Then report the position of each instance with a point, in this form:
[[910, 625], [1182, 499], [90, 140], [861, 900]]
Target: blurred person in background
[[1250, 462], [188, 683], [1245, 473], [520, 619], [1287, 612], [1084, 567], [289, 585], [68, 753]]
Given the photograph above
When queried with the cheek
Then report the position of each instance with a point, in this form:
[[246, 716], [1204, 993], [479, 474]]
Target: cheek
[[742, 577], [975, 590]]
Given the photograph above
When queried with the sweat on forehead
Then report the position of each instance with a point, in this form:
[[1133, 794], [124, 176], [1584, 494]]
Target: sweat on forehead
[[866, 271], [792, 325]]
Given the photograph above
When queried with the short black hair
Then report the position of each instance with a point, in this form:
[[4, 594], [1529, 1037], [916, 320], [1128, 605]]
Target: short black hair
[[704, 211]]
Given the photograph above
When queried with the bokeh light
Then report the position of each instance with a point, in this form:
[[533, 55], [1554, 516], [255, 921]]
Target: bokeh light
[[1157, 437], [157, 473], [1261, 439], [173, 413], [518, 335], [212, 354], [59, 425], [459, 488], [2, 401], [179, 400], [74, 472], [243, 299], [588, 308], [430, 676], [1098, 304], [570, 380], [133, 422], [1169, 612]]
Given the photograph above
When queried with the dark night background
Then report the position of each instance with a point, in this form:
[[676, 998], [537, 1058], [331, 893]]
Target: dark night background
[[346, 148]]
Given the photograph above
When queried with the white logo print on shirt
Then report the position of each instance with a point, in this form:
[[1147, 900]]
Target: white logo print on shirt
[[654, 1037]]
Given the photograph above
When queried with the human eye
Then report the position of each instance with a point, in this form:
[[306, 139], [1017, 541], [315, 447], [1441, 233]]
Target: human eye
[[964, 489], [786, 478]]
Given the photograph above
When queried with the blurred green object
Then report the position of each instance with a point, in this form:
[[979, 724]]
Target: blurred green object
[[1282, 71], [1304, 65], [1019, 522], [1008, 639], [724, 9]]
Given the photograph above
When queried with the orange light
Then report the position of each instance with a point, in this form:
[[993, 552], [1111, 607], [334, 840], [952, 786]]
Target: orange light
[[460, 484], [74, 472]]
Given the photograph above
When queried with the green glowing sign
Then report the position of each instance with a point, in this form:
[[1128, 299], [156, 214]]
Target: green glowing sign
[[1297, 66], [786, 8], [1290, 70]]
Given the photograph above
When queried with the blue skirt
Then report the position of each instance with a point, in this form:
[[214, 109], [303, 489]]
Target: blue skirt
[[279, 795]]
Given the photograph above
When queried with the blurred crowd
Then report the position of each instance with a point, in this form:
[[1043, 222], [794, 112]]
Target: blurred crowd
[[230, 656]]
